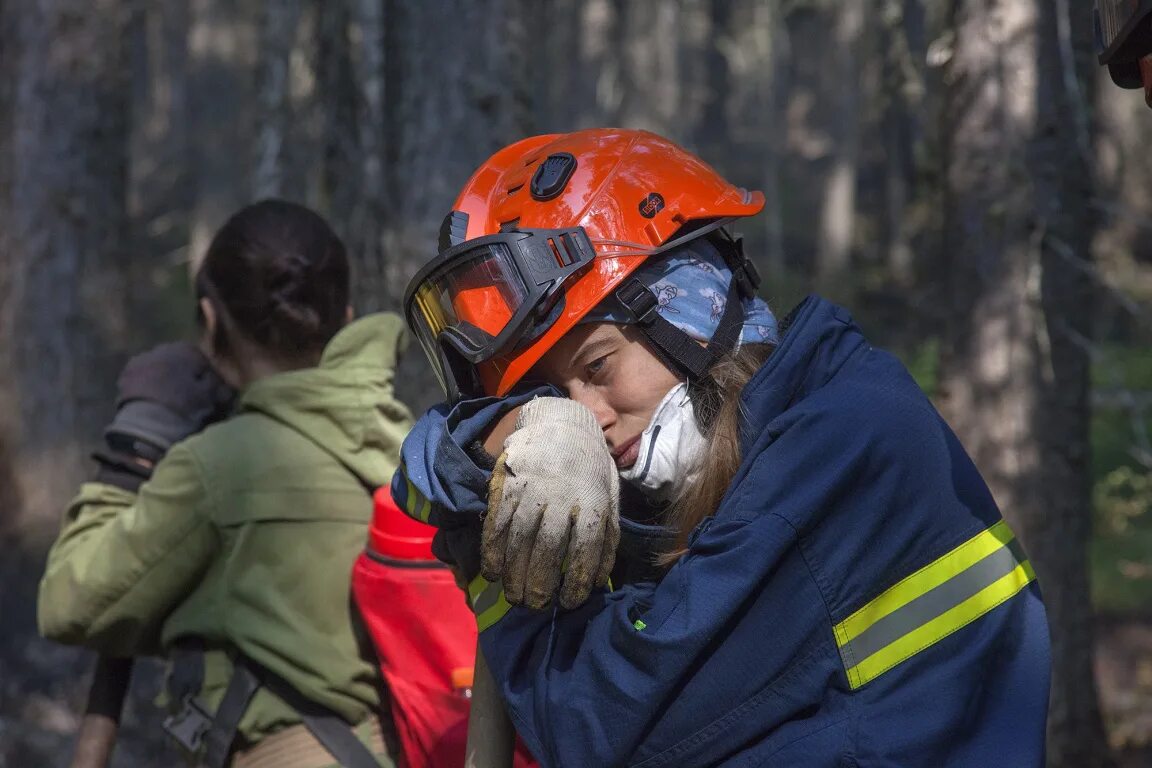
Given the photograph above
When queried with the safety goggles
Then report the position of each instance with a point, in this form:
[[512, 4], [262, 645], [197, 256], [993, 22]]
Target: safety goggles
[[485, 295], [1123, 36]]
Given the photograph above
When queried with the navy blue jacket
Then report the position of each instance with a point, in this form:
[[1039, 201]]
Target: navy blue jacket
[[855, 601]]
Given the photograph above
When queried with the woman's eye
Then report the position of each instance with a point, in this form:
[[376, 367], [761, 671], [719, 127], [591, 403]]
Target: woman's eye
[[596, 366]]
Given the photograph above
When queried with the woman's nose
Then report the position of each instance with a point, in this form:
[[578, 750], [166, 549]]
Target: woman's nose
[[605, 415]]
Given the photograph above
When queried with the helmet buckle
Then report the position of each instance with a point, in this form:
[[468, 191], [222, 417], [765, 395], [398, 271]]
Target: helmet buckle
[[637, 299], [744, 272], [747, 278]]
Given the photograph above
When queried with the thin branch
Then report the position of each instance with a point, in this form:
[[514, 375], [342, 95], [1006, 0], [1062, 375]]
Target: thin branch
[[1065, 251], [1118, 398], [1120, 210]]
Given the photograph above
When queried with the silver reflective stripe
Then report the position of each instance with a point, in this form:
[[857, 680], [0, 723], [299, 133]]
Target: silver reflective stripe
[[933, 603], [487, 597]]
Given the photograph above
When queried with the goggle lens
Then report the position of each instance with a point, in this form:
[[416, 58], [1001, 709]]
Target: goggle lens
[[484, 291], [478, 298]]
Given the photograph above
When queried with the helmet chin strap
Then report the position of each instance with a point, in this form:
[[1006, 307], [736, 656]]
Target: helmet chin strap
[[683, 354]]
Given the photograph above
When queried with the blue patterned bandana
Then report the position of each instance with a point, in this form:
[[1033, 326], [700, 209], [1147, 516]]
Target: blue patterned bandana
[[691, 286]]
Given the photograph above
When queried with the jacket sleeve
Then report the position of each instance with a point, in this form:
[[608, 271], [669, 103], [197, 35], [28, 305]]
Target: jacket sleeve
[[589, 686], [123, 562], [594, 686], [438, 481]]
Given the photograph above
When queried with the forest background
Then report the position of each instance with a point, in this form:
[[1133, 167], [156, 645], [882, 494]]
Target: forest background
[[958, 172]]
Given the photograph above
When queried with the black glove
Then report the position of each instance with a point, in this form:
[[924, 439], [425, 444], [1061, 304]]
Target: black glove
[[165, 395]]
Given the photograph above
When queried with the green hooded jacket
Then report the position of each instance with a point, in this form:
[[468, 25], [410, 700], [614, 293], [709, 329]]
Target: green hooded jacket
[[246, 534]]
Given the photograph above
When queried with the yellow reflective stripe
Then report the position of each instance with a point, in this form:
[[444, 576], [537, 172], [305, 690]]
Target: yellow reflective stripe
[[493, 614], [476, 587], [488, 602], [925, 579], [943, 625], [415, 505], [937, 600]]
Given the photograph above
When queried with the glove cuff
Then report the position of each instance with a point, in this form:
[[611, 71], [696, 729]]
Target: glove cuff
[[120, 470], [155, 424]]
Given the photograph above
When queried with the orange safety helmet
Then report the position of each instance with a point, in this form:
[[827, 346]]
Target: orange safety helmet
[[546, 230]]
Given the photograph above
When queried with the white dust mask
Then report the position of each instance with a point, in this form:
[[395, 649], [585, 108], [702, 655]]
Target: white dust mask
[[670, 449]]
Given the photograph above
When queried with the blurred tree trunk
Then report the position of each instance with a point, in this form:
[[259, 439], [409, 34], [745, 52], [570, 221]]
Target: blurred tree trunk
[[771, 33], [336, 103], [370, 210], [1014, 368], [563, 83], [902, 50], [10, 50], [598, 89], [456, 109], [713, 133], [63, 220], [222, 45], [650, 77], [809, 133], [279, 20], [463, 93], [838, 215], [160, 132], [160, 192]]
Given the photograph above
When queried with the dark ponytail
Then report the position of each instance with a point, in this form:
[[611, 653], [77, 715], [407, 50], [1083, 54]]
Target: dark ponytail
[[280, 274]]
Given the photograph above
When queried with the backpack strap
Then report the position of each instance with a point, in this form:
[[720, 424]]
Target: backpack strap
[[212, 736], [329, 728], [226, 722]]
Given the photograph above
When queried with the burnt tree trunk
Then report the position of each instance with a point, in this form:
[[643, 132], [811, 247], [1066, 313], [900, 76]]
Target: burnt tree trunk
[[372, 202], [456, 109], [222, 60], [279, 20], [464, 93], [838, 214], [63, 223], [1014, 368]]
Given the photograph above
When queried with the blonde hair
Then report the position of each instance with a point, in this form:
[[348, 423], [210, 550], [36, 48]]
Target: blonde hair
[[722, 457]]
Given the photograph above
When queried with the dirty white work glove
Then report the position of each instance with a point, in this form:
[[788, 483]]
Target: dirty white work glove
[[553, 507]]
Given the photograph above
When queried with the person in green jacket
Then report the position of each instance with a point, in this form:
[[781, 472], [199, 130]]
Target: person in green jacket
[[235, 540]]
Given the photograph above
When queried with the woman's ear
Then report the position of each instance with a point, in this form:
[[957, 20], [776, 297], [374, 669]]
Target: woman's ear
[[209, 322], [210, 333], [349, 314]]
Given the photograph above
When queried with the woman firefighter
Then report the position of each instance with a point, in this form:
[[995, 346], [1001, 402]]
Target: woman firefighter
[[838, 586], [228, 547]]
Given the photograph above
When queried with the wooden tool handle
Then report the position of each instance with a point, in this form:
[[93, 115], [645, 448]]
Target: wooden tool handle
[[98, 730], [491, 737]]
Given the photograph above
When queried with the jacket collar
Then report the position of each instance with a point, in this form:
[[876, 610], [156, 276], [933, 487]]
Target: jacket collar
[[816, 339], [345, 404]]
